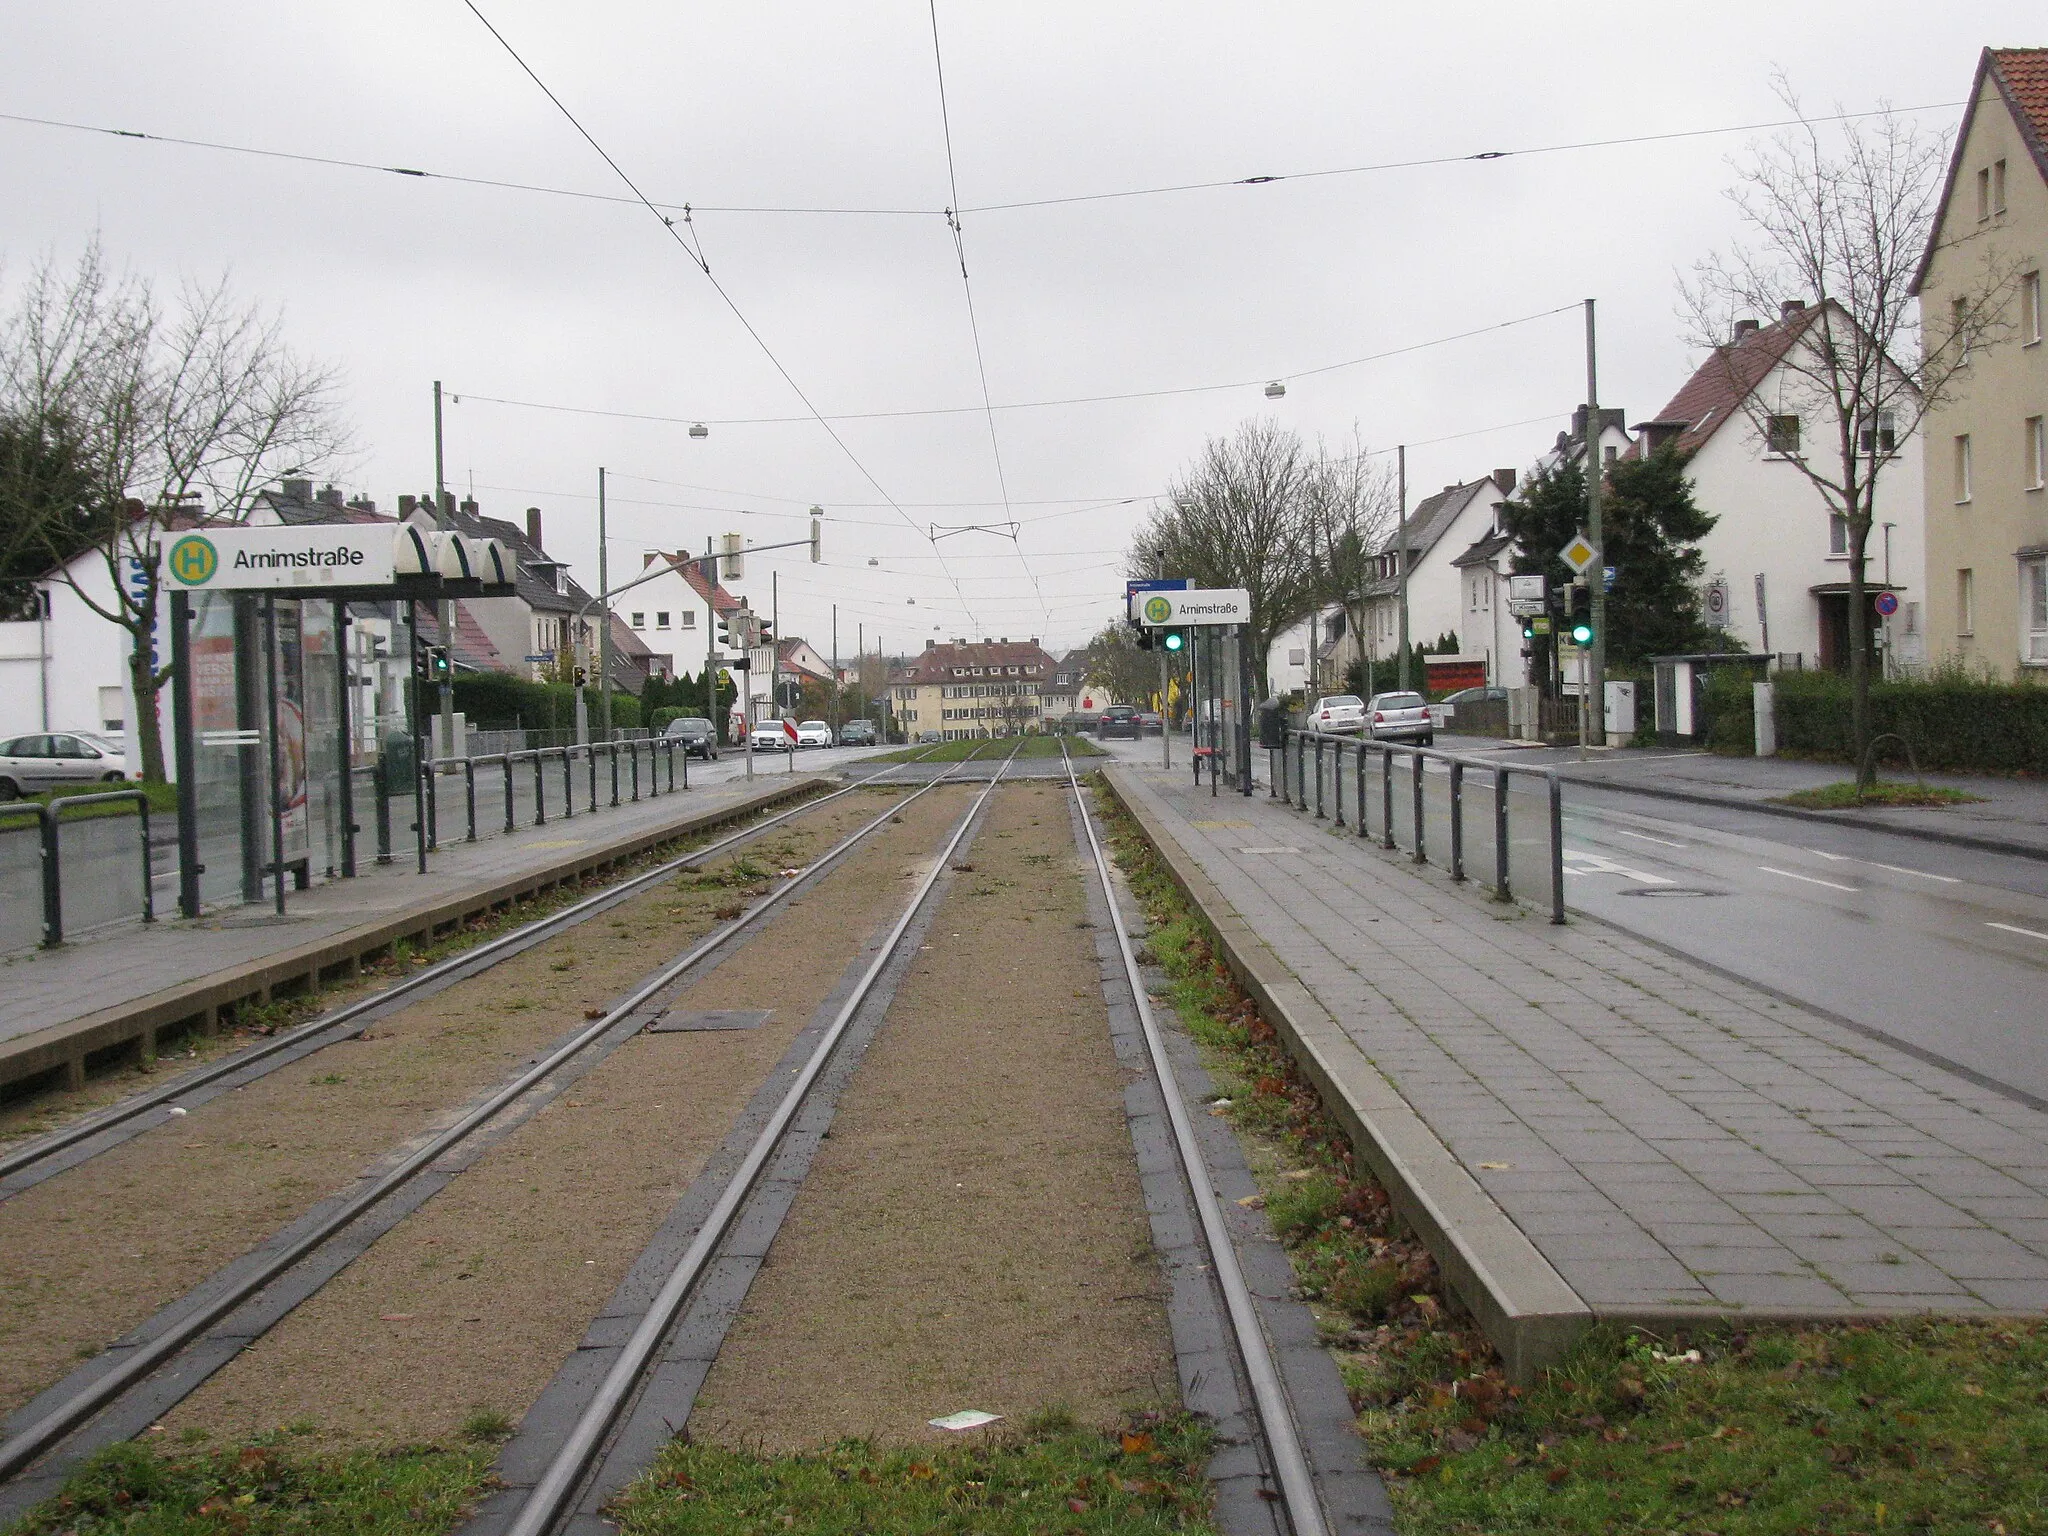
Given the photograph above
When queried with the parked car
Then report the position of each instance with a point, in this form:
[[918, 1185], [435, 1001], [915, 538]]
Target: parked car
[[1338, 713], [927, 738], [72, 760], [857, 733], [1400, 717], [1150, 723], [1074, 723], [696, 735], [813, 733], [769, 736], [1119, 720], [1473, 696]]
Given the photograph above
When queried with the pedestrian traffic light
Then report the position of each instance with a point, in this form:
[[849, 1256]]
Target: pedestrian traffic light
[[1174, 639], [1582, 616], [438, 669]]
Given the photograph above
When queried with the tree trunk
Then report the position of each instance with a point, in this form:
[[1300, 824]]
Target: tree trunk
[[142, 677], [1859, 653]]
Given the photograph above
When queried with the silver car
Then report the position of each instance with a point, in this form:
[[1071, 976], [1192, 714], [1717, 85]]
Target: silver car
[[1342, 713], [1400, 717], [59, 760]]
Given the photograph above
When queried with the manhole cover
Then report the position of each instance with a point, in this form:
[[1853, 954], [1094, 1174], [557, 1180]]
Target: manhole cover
[[1670, 890], [709, 1018]]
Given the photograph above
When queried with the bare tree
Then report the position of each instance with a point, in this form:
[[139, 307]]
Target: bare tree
[[1842, 230], [1115, 663], [1240, 517], [1350, 505], [182, 417]]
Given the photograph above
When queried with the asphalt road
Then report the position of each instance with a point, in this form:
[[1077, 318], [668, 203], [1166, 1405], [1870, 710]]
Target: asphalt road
[[1943, 950]]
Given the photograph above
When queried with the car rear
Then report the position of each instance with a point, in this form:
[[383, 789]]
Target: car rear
[[1338, 714], [1400, 717], [1119, 720]]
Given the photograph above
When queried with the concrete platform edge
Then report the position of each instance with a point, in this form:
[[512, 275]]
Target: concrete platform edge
[[66, 1045], [1525, 1307]]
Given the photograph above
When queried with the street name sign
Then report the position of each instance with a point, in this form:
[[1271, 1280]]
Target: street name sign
[[251, 559], [1192, 605], [1579, 553]]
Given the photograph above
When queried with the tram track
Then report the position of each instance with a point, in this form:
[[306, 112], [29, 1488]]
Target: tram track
[[91, 1393], [44, 1156]]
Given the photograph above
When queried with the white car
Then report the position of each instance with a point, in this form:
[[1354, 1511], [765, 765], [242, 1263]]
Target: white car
[[769, 736], [813, 733], [61, 760], [1339, 713]]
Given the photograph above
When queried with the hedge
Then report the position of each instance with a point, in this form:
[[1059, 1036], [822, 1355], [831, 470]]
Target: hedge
[[1953, 722], [497, 701]]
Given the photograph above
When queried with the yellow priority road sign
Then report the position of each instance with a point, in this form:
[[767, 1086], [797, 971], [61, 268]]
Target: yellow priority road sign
[[1579, 553]]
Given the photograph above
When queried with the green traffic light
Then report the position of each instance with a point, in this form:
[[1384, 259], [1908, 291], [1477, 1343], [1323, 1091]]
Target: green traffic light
[[1582, 634], [1175, 640]]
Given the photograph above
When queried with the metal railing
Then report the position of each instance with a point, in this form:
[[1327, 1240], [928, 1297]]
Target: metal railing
[[1299, 778], [621, 783], [48, 816]]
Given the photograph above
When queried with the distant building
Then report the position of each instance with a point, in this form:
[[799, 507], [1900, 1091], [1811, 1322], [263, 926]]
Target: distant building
[[996, 688], [1443, 531]]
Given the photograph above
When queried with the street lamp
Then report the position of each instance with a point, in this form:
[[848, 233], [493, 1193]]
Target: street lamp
[[698, 429]]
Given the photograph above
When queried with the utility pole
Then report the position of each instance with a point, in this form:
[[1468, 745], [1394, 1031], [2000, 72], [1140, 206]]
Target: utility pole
[[1401, 554], [1165, 719], [775, 648], [835, 671], [443, 521], [1594, 666], [604, 619], [711, 642]]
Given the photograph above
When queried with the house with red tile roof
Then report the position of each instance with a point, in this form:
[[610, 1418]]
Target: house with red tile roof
[[1987, 480], [1778, 558], [996, 688]]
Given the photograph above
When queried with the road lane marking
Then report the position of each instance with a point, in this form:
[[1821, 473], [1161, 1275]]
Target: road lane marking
[[1644, 837], [1897, 869], [1809, 879], [2009, 928], [1600, 864]]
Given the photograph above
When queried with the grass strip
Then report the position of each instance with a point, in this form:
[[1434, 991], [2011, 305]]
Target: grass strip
[[1922, 1424], [966, 749], [259, 1489], [1845, 796], [1143, 1478]]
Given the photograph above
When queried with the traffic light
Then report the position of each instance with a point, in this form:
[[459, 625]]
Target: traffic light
[[1147, 636], [764, 632], [1581, 628], [730, 630], [438, 667], [1174, 639], [817, 536], [581, 677]]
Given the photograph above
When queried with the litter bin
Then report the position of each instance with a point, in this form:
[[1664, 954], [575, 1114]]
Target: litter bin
[[1272, 725]]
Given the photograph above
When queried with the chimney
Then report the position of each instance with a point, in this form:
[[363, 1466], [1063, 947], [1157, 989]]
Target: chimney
[[362, 504], [297, 490], [407, 505], [931, 645], [330, 496], [1505, 479], [988, 639], [533, 528], [1745, 328], [1790, 308], [469, 505]]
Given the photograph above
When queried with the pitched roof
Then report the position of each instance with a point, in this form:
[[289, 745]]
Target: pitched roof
[[691, 568], [2021, 78], [473, 648], [936, 663], [1433, 516], [1484, 548], [1715, 392]]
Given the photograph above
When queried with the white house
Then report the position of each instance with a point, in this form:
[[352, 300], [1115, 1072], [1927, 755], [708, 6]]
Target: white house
[[1442, 529], [1776, 555], [68, 669]]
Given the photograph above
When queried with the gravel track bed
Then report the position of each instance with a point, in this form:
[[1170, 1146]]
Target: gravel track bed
[[972, 1233], [96, 1250], [476, 1299]]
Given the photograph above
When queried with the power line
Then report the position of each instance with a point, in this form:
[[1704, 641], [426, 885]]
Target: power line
[[827, 211], [697, 259], [967, 288], [1026, 405]]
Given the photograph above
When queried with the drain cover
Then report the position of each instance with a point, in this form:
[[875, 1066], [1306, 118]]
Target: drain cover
[[709, 1018], [1670, 890]]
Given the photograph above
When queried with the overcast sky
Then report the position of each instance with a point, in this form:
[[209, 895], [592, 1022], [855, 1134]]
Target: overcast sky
[[578, 302]]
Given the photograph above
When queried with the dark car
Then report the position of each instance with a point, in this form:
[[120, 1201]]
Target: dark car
[[1119, 720], [696, 735], [857, 733], [1150, 723]]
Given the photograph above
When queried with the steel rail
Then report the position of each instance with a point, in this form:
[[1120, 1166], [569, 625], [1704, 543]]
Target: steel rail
[[546, 1506], [482, 957], [1290, 1464], [25, 1447]]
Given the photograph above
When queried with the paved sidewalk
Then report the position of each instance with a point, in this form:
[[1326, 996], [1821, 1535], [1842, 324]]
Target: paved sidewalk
[[2012, 816], [129, 961], [1671, 1142]]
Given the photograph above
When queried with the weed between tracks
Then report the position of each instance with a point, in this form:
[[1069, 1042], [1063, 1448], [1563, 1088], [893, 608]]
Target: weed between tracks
[[1047, 1476], [993, 750], [1921, 1425]]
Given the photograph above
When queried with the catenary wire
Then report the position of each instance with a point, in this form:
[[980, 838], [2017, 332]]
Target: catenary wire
[[697, 259]]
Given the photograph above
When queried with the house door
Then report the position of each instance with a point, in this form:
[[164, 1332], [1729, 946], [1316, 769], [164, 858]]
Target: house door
[[1834, 629]]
